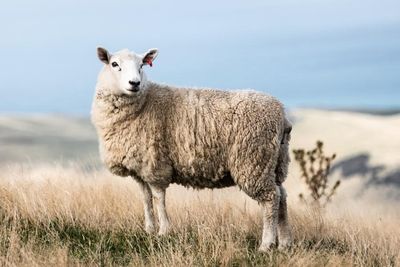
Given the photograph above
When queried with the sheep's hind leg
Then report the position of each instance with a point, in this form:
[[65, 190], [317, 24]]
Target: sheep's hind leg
[[270, 220], [148, 207], [159, 194], [263, 189], [285, 237]]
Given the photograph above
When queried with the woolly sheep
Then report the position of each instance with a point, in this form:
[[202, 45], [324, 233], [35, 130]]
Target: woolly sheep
[[201, 138]]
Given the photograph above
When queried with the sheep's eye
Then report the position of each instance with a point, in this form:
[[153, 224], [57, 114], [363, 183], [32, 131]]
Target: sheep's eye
[[114, 64]]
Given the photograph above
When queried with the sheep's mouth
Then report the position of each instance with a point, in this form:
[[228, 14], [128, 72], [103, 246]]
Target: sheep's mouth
[[133, 90]]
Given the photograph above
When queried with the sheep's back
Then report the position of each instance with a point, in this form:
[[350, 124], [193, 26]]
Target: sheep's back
[[208, 128]]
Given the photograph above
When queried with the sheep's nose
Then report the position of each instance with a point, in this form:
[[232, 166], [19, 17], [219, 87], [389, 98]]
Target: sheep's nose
[[134, 83]]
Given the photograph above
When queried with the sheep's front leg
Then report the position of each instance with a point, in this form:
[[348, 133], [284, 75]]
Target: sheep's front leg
[[159, 194], [270, 220], [148, 207]]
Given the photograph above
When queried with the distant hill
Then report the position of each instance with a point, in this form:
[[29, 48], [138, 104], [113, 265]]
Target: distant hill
[[44, 138], [367, 145], [380, 112]]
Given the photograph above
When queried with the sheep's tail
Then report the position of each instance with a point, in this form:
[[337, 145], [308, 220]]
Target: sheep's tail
[[284, 157]]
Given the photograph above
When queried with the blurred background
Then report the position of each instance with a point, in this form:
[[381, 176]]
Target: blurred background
[[334, 64], [330, 53]]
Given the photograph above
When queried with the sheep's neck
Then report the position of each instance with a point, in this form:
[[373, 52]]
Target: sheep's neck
[[116, 108]]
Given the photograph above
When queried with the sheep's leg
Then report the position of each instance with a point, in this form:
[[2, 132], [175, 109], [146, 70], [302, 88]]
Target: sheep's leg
[[285, 237], [159, 194], [148, 207], [270, 209], [265, 192]]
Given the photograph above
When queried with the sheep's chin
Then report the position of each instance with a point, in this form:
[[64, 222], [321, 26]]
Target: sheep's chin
[[130, 92]]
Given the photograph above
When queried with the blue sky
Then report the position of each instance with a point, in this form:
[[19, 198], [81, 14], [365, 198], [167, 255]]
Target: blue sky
[[343, 53]]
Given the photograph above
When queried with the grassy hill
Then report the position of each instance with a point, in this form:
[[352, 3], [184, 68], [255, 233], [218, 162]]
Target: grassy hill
[[58, 206]]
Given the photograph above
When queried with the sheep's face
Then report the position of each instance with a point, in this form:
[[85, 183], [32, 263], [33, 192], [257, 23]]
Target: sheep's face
[[123, 71]]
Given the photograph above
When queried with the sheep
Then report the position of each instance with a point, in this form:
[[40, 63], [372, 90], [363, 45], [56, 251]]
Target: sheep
[[200, 138]]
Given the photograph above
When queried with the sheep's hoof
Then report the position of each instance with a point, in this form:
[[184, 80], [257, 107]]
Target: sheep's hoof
[[266, 247], [150, 229], [285, 244], [163, 231]]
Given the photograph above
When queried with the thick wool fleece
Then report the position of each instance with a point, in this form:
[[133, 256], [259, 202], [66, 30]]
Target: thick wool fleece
[[194, 137]]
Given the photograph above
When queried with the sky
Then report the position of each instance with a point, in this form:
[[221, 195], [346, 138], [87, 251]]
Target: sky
[[311, 53]]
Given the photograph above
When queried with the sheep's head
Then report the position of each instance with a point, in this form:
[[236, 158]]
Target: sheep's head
[[123, 70]]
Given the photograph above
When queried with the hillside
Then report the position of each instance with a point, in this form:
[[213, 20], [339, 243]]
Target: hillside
[[46, 138], [56, 209]]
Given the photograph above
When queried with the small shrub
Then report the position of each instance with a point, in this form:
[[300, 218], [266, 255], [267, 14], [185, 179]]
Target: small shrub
[[315, 167]]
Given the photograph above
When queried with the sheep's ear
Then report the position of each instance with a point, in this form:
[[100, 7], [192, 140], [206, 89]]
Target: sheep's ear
[[103, 55], [149, 56]]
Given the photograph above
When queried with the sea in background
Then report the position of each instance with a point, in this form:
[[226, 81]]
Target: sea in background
[[326, 54]]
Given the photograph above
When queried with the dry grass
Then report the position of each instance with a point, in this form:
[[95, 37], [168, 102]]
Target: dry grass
[[54, 215]]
